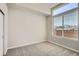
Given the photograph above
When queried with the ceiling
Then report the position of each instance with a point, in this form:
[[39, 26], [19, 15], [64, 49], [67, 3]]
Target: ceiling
[[44, 8]]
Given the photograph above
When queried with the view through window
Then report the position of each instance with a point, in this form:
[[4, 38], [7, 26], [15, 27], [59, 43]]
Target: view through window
[[66, 21]]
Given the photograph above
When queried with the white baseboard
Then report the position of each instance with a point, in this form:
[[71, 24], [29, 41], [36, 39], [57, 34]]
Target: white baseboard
[[5, 52], [25, 44]]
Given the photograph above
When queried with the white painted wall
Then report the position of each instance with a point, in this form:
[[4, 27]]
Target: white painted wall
[[49, 27], [3, 7], [25, 27]]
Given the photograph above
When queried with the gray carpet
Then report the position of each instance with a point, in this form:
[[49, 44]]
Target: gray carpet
[[41, 49]]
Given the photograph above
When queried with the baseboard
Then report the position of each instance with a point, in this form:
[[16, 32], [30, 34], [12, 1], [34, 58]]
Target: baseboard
[[26, 44], [65, 47], [5, 52]]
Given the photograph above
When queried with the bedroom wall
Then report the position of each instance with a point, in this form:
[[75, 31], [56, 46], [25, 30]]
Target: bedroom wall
[[25, 27], [49, 27]]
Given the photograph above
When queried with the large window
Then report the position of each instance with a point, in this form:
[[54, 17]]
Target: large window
[[65, 25], [66, 21]]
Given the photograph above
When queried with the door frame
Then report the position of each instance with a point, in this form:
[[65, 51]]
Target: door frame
[[3, 28]]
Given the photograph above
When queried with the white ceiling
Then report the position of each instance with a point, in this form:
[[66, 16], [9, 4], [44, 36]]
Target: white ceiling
[[44, 8]]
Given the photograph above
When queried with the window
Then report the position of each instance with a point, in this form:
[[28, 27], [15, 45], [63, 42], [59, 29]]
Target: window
[[66, 21], [65, 25]]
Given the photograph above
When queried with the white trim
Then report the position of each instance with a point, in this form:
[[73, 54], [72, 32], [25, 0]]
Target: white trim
[[5, 52], [25, 44], [60, 37]]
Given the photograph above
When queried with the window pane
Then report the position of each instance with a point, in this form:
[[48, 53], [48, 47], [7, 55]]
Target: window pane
[[70, 19], [58, 25], [58, 21], [70, 25]]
